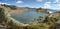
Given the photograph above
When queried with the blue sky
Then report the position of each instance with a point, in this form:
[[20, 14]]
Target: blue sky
[[52, 4]]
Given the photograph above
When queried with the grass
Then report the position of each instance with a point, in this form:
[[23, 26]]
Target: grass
[[11, 23]]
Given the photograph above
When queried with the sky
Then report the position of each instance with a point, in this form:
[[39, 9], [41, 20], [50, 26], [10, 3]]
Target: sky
[[51, 4]]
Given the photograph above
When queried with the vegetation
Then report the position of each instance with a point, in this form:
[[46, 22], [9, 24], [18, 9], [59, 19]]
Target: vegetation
[[10, 23], [10, 6], [6, 19], [48, 23]]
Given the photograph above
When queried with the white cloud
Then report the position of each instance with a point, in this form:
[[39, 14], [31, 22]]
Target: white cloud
[[57, 1], [2, 3], [39, 0], [58, 4], [47, 5], [57, 7], [19, 2], [5, 3]]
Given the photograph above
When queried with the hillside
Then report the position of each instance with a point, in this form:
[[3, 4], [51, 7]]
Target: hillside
[[42, 10], [23, 9], [10, 23], [5, 18], [14, 8]]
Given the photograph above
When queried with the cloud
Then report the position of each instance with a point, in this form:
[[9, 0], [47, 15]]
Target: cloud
[[57, 7], [58, 4], [5, 3], [2, 3], [39, 0], [47, 5], [19, 2], [57, 1]]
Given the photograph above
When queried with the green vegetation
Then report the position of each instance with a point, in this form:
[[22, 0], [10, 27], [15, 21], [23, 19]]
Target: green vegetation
[[48, 23], [10, 23], [6, 19], [10, 6]]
